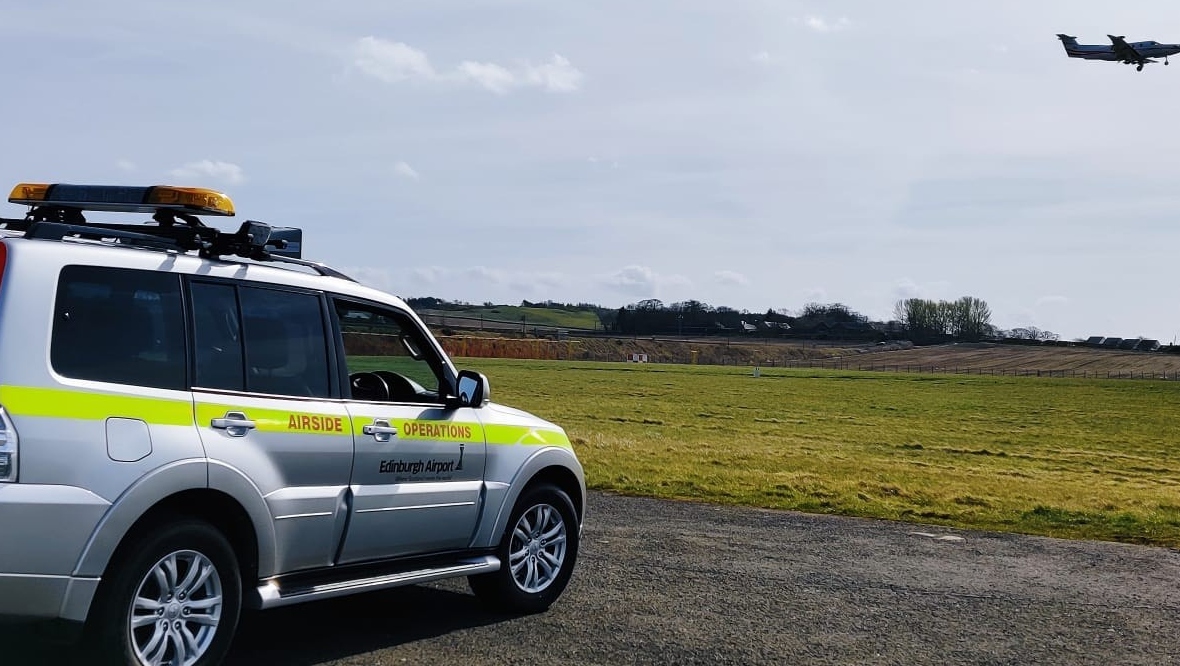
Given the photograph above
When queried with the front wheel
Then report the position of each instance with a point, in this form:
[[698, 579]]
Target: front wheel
[[175, 601], [537, 554]]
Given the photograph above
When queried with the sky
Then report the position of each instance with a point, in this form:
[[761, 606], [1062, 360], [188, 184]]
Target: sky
[[754, 154]]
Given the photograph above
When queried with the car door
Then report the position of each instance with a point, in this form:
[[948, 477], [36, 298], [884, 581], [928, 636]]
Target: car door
[[417, 472], [268, 408]]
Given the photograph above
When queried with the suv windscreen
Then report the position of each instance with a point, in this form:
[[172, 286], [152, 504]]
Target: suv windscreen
[[388, 359], [119, 325]]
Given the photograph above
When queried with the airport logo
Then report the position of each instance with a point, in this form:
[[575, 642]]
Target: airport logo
[[417, 467]]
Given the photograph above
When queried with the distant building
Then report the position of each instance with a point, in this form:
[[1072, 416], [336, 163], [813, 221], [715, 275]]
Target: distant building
[[1129, 343], [1111, 343], [1148, 345], [1094, 341]]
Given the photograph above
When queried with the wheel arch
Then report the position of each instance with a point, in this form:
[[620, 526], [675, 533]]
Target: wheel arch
[[187, 487], [212, 506], [566, 480], [557, 466]]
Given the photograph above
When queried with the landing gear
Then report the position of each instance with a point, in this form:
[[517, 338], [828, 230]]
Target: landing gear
[[1139, 68]]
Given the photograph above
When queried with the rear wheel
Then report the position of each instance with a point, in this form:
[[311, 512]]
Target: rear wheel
[[537, 553], [175, 601]]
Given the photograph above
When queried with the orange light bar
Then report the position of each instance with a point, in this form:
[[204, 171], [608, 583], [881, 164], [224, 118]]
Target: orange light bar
[[210, 201], [29, 192], [193, 200]]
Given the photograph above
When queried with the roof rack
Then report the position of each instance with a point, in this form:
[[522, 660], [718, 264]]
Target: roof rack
[[56, 213]]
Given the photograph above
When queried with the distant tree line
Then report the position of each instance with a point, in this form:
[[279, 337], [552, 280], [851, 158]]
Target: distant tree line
[[967, 319], [924, 321], [692, 317], [432, 303], [554, 305], [1031, 333]]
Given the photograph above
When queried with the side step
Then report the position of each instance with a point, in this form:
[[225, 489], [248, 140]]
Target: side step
[[274, 594]]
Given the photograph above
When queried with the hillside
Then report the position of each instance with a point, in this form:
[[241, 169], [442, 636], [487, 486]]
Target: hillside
[[511, 318]]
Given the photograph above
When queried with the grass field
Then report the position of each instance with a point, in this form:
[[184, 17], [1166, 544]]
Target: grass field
[[1059, 457]]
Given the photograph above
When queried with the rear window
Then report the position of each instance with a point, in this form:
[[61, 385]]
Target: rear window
[[119, 325]]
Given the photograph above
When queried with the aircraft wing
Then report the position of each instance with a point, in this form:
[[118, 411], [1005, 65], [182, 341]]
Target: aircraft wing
[[1123, 50]]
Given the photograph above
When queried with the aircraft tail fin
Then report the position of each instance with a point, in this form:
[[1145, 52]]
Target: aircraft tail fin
[[1069, 43]]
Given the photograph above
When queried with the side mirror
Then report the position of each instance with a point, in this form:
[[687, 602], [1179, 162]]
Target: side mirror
[[473, 388]]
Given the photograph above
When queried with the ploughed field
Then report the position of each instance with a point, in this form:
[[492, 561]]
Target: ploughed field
[[1079, 458], [1017, 359]]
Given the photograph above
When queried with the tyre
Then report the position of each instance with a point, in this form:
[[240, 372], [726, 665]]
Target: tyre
[[172, 598], [537, 554]]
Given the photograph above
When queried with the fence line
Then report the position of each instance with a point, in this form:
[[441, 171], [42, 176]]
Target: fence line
[[994, 372]]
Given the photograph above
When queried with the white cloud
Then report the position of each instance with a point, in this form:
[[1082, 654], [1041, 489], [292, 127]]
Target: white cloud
[[488, 75], [225, 172], [391, 62], [823, 25], [125, 165], [530, 282], [395, 62], [377, 278], [761, 57], [641, 281], [731, 278], [557, 75], [594, 159], [485, 274], [404, 170], [537, 283], [428, 274], [908, 288], [1039, 314]]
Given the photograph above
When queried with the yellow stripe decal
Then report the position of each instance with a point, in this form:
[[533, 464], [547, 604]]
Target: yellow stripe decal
[[89, 405], [525, 436], [460, 431], [277, 420], [59, 403]]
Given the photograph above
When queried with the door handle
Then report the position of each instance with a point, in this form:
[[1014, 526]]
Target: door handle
[[235, 424], [380, 430]]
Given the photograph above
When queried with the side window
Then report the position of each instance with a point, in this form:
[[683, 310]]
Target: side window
[[286, 350], [119, 325], [259, 340], [217, 337], [387, 356]]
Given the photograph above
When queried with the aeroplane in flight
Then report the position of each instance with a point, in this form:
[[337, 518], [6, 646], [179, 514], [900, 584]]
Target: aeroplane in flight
[[1120, 50]]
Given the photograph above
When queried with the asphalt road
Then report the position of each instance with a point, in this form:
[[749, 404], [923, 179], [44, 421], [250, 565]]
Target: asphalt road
[[678, 583]]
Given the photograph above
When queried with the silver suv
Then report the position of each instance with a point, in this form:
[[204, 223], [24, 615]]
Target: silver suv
[[194, 421]]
